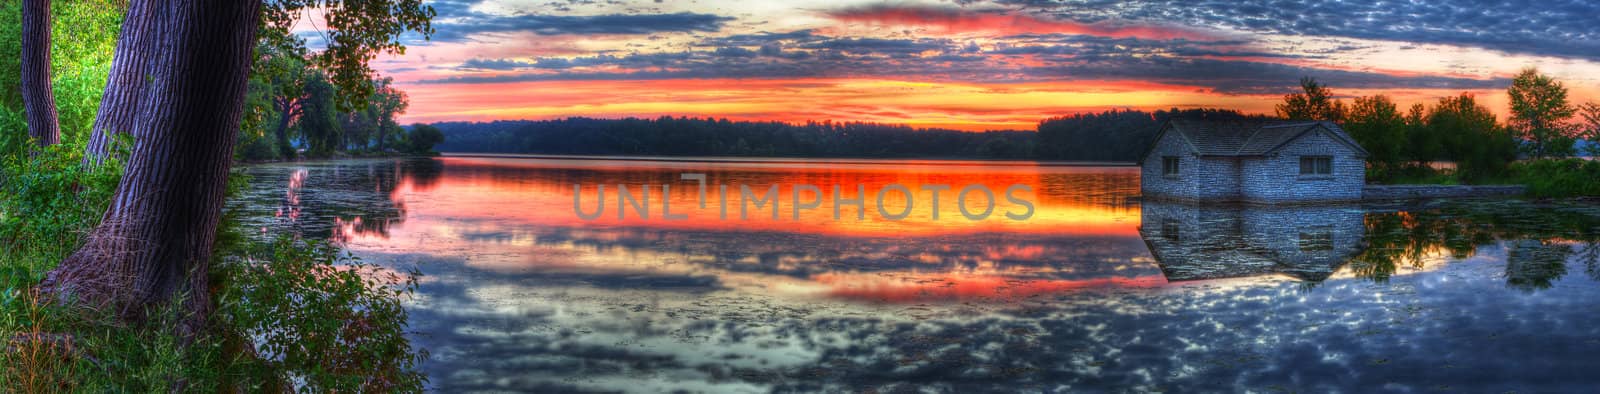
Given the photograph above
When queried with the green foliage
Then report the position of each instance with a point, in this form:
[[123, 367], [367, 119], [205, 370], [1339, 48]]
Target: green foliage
[[1423, 144], [1480, 147], [322, 317], [83, 36], [290, 313], [356, 31], [1411, 174], [278, 75], [1540, 113], [1589, 130], [48, 201], [56, 349], [1315, 102], [1377, 124], [422, 138], [373, 126], [319, 122], [1559, 178]]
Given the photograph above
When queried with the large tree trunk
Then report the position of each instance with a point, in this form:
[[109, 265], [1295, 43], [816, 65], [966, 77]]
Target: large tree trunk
[[38, 100], [154, 244], [127, 84]]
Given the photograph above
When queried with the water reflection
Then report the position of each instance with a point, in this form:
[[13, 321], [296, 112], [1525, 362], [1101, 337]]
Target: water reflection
[[1097, 293], [1208, 242]]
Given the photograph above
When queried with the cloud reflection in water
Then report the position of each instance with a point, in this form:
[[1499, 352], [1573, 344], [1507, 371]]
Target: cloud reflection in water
[[521, 296]]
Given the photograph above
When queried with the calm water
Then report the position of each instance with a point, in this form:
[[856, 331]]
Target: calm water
[[1094, 292]]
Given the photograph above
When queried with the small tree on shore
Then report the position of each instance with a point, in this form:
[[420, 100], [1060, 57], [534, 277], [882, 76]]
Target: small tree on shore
[[1540, 113], [1315, 102], [1590, 112]]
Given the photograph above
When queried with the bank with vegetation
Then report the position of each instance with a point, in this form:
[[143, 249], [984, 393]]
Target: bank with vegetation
[[119, 270]]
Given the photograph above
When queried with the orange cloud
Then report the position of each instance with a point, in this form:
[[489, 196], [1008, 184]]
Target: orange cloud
[[954, 105]]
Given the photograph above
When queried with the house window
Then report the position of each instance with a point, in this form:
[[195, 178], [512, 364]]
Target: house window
[[1316, 165], [1169, 165]]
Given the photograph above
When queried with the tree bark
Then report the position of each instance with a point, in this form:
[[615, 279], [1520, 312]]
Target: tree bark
[[38, 100], [127, 84], [287, 110], [155, 241]]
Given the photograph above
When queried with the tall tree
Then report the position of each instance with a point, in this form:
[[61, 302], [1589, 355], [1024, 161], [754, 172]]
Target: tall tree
[[1540, 113], [1423, 144], [126, 85], [1591, 127], [37, 95], [1376, 123], [1472, 137], [1314, 102], [281, 69], [387, 103], [193, 58], [319, 117], [154, 242]]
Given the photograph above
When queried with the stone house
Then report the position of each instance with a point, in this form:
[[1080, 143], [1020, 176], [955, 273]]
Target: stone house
[[1255, 161]]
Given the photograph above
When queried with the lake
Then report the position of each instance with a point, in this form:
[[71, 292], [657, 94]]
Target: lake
[[1093, 291]]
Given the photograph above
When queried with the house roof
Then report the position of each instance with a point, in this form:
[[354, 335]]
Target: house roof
[[1238, 138]]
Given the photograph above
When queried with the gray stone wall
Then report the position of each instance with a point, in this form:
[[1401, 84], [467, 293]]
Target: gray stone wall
[[1276, 178], [1215, 178], [1152, 184]]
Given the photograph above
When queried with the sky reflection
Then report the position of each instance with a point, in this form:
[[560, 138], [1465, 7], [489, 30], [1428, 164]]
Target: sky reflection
[[1096, 293]]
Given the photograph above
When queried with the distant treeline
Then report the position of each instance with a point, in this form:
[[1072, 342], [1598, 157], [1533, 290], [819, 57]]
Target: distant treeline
[[1118, 135], [669, 136]]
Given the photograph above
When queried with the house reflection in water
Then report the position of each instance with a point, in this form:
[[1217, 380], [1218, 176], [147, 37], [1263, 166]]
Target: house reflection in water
[[1194, 242]]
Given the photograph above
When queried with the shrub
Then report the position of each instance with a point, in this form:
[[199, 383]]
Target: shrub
[[321, 317], [422, 138], [1559, 178], [48, 201]]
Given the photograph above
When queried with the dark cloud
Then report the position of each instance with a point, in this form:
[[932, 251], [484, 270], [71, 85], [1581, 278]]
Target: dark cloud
[[495, 64], [1563, 28], [1226, 66], [868, 46], [763, 38], [460, 27]]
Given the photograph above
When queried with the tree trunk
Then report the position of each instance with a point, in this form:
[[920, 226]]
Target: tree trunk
[[38, 100], [127, 84], [285, 113], [154, 243]]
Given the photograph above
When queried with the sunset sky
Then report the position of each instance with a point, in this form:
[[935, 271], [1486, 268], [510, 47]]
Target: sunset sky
[[969, 64]]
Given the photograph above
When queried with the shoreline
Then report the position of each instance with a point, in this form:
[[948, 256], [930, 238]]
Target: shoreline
[[797, 160]]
